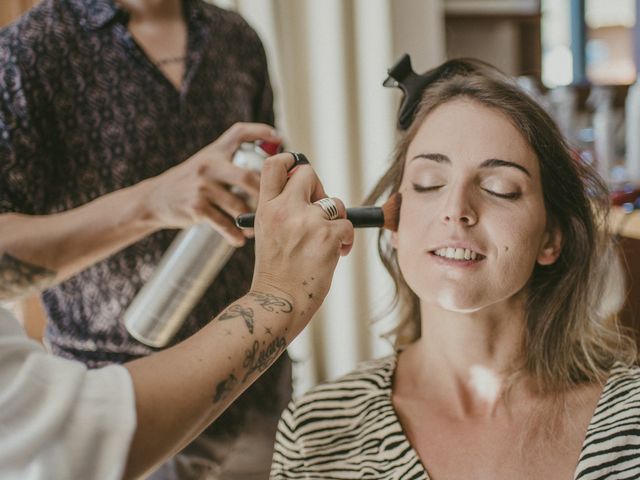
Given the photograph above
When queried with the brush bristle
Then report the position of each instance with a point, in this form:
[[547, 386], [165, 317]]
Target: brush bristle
[[391, 210]]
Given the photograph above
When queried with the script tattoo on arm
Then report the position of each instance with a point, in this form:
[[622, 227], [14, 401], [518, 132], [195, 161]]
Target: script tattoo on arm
[[256, 360], [271, 303], [18, 277]]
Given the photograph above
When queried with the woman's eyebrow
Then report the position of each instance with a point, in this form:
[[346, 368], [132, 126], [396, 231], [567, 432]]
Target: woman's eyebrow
[[489, 163], [436, 157], [496, 162]]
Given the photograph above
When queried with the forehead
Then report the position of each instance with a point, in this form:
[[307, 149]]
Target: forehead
[[467, 131]]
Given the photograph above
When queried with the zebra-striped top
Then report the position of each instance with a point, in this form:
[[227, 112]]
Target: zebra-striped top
[[348, 429]]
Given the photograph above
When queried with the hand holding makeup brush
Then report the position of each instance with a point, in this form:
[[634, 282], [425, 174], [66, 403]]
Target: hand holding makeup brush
[[386, 216], [297, 249]]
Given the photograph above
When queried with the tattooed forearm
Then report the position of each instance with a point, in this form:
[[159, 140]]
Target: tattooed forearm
[[261, 354], [18, 277], [255, 360], [224, 388], [259, 360], [271, 303], [267, 301], [237, 310]]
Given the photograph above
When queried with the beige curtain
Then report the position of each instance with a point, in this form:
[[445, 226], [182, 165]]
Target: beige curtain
[[328, 59]]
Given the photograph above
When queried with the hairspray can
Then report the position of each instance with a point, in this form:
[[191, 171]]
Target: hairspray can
[[185, 271]]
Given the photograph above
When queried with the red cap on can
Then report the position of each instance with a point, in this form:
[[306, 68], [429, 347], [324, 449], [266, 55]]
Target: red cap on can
[[270, 148]]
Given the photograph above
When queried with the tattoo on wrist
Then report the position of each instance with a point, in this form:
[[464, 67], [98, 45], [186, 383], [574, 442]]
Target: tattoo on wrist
[[271, 303], [256, 360], [267, 301], [224, 388], [236, 310], [18, 277]]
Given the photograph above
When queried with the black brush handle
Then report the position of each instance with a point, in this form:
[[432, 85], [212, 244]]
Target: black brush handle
[[361, 217], [364, 217]]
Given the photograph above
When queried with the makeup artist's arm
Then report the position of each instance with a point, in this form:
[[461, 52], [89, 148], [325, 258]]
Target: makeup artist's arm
[[179, 391], [38, 251]]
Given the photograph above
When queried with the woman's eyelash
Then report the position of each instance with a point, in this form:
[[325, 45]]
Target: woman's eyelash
[[508, 196], [422, 188], [431, 188]]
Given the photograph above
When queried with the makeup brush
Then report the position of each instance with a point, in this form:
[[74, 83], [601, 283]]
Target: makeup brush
[[386, 216]]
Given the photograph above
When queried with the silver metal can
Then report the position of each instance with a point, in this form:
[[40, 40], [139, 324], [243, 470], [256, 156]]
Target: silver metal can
[[186, 270]]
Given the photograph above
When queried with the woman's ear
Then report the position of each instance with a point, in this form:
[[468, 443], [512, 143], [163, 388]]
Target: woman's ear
[[551, 246]]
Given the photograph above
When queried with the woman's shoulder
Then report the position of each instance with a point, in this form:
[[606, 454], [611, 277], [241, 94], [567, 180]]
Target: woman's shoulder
[[610, 449], [620, 397], [625, 376], [347, 413], [622, 386], [370, 379]]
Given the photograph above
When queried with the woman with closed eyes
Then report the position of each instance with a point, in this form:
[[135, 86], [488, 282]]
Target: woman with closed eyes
[[510, 362]]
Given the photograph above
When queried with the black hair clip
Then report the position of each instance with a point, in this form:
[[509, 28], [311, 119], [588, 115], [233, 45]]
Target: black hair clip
[[401, 75]]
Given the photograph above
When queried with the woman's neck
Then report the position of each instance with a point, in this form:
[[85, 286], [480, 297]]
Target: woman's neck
[[467, 358]]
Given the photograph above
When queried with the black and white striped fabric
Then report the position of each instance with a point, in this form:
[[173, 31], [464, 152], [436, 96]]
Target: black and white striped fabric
[[348, 429], [612, 446]]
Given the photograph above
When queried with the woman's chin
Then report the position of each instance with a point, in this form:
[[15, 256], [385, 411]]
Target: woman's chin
[[457, 302], [461, 308]]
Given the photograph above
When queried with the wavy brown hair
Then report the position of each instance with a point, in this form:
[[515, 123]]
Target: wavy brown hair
[[572, 330]]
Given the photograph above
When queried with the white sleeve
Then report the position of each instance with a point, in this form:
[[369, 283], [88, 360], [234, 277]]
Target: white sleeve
[[59, 420]]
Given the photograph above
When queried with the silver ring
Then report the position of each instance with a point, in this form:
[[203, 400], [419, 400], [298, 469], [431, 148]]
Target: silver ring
[[329, 207]]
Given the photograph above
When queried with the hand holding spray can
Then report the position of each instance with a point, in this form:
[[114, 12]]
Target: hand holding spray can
[[186, 270]]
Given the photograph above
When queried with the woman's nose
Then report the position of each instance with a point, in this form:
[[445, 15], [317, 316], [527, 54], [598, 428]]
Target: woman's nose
[[458, 207]]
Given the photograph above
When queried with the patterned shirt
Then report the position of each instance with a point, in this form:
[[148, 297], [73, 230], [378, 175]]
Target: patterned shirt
[[84, 112], [348, 429]]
